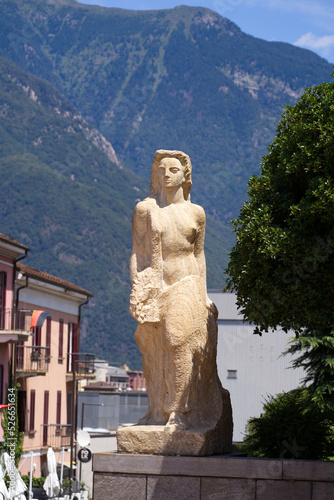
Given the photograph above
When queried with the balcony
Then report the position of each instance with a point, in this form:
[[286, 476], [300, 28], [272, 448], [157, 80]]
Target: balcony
[[83, 363], [56, 435], [14, 327], [32, 360]]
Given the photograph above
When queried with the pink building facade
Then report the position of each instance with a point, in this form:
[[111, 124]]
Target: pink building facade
[[43, 359], [10, 252]]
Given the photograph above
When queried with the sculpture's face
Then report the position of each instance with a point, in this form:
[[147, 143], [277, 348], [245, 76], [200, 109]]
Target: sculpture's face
[[171, 173]]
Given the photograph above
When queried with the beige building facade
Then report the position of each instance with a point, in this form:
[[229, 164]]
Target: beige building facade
[[40, 361]]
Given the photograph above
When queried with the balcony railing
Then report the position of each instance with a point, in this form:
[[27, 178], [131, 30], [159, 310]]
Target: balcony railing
[[56, 435], [5, 319], [15, 320], [32, 360], [83, 363]]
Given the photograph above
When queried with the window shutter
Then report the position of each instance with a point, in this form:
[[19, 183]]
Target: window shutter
[[61, 339], [48, 336], [3, 277], [46, 418], [32, 411], [58, 416]]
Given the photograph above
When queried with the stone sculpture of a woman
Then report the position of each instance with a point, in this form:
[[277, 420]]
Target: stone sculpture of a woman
[[189, 412]]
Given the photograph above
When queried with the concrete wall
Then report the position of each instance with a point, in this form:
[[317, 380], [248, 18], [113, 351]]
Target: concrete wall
[[98, 443], [255, 362], [119, 408], [143, 477], [98, 410]]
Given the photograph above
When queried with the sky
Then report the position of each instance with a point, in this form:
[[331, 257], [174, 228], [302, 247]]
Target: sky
[[305, 23]]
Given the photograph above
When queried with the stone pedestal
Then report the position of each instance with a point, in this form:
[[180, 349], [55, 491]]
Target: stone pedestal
[[159, 440], [120, 476]]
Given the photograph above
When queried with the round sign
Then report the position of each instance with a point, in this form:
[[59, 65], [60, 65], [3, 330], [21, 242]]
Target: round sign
[[84, 455], [83, 438]]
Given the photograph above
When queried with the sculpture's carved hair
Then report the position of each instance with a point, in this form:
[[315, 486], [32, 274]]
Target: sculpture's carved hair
[[185, 162]]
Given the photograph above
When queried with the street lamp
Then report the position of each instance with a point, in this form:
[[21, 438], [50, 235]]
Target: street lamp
[[82, 421], [74, 410], [75, 407]]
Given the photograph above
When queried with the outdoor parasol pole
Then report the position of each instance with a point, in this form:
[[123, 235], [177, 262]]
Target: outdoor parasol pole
[[62, 468], [30, 478]]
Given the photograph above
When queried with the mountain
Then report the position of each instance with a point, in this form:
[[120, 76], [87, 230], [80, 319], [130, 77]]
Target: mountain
[[184, 78], [66, 196], [92, 94]]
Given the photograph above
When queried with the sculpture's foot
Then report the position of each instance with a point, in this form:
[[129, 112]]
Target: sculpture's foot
[[146, 419], [177, 421]]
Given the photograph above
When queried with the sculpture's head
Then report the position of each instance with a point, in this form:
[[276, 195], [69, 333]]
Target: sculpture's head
[[184, 159]]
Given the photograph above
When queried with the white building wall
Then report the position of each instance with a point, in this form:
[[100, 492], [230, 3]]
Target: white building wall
[[260, 369]]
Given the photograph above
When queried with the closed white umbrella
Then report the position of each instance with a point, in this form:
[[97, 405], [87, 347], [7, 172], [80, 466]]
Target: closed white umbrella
[[3, 487], [17, 486], [52, 485]]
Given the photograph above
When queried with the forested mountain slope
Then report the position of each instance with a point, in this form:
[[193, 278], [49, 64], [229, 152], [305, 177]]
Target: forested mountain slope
[[76, 152]]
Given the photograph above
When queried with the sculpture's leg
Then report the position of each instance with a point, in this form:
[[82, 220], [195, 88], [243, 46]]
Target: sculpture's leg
[[178, 354], [148, 339], [183, 339], [177, 384]]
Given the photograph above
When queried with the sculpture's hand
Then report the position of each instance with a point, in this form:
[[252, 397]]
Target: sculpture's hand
[[144, 303]]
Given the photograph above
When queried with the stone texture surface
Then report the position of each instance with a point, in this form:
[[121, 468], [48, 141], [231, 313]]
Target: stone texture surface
[[283, 490], [159, 440], [213, 466], [227, 489], [176, 488], [119, 487], [299, 469], [177, 330], [124, 476], [323, 491]]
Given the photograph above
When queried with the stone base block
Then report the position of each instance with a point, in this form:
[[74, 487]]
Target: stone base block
[[159, 440], [120, 476]]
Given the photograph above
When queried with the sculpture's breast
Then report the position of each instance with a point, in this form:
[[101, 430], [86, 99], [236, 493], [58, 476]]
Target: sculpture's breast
[[177, 231]]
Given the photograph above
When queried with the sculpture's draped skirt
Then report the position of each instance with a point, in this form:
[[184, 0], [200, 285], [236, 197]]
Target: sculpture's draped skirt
[[179, 356]]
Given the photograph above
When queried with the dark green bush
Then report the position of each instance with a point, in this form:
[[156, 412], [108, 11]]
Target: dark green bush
[[37, 482], [293, 425]]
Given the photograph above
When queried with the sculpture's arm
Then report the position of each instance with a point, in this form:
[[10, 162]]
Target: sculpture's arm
[[140, 258], [145, 265], [146, 240]]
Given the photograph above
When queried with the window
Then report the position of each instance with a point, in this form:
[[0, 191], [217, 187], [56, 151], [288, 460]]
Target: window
[[58, 416], [37, 339], [73, 345], [45, 418], [22, 407], [60, 341], [69, 408], [1, 384], [75, 339], [32, 411], [3, 278], [231, 373], [48, 338], [69, 347]]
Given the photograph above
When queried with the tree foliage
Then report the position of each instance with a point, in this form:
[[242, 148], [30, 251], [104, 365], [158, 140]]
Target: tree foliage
[[282, 263], [292, 426], [316, 356], [13, 438]]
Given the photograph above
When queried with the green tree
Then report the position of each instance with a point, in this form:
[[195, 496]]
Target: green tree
[[13, 438], [282, 264], [316, 348], [292, 426]]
